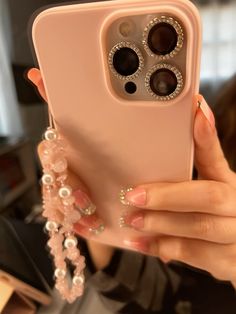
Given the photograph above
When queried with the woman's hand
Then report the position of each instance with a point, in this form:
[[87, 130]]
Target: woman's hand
[[88, 225], [193, 222]]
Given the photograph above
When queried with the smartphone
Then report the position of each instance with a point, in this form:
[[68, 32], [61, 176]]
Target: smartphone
[[121, 77]]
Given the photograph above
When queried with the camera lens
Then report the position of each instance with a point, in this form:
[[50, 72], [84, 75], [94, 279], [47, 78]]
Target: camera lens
[[126, 61], [162, 39], [163, 82]]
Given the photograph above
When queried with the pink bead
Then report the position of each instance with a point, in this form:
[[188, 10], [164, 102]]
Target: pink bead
[[50, 193], [59, 165], [69, 200], [45, 160], [60, 285], [74, 217], [48, 148], [60, 263], [80, 264], [56, 241], [72, 254], [54, 215], [61, 178], [61, 144], [68, 229]]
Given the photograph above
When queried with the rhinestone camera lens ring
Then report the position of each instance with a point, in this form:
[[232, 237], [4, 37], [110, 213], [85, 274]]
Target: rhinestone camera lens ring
[[133, 47], [172, 69], [178, 29]]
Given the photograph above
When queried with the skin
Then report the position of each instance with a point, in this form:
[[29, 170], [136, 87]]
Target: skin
[[192, 222]]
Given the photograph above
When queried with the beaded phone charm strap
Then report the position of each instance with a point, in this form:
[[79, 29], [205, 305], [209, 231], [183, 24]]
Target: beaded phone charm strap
[[61, 213]]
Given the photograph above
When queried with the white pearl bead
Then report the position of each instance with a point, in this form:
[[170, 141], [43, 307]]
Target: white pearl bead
[[51, 226], [65, 191], [59, 273], [47, 179], [70, 242], [50, 135], [78, 280]]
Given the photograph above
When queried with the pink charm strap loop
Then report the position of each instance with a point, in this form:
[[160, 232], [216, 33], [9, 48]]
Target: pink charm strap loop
[[61, 213]]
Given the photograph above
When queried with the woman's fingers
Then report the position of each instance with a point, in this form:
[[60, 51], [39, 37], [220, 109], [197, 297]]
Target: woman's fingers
[[215, 258], [188, 225], [211, 197], [35, 77], [209, 157]]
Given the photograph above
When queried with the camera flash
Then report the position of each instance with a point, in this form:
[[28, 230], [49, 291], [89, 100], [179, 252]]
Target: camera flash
[[126, 28]]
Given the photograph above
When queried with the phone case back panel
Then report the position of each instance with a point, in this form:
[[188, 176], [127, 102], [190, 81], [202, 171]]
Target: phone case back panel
[[113, 142]]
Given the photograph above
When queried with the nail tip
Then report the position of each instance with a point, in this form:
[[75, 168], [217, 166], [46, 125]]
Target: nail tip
[[122, 196]]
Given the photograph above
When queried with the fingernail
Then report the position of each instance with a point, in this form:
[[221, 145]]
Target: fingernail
[[135, 220], [34, 76], [91, 221], [29, 74], [97, 230], [136, 196], [83, 202], [139, 245], [87, 228], [206, 110]]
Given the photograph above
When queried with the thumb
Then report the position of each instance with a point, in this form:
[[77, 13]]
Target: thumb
[[209, 157]]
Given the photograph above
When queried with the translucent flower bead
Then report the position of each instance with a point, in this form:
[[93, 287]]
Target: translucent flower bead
[[50, 135], [65, 191], [70, 242], [59, 165], [48, 179], [69, 201], [59, 273], [78, 280]]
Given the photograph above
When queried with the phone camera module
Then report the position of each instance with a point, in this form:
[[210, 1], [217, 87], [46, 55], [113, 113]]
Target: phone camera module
[[163, 37], [164, 82], [125, 60]]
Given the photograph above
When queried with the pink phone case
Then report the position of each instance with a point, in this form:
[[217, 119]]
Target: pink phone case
[[115, 143]]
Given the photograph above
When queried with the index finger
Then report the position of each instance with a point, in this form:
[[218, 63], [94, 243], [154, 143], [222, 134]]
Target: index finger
[[34, 75], [203, 196]]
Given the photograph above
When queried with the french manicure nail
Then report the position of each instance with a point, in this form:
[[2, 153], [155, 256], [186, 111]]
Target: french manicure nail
[[97, 230], [133, 196], [135, 220], [206, 110], [83, 202], [87, 231], [91, 220]]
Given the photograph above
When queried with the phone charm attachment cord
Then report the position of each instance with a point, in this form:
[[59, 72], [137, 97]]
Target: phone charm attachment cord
[[61, 213]]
